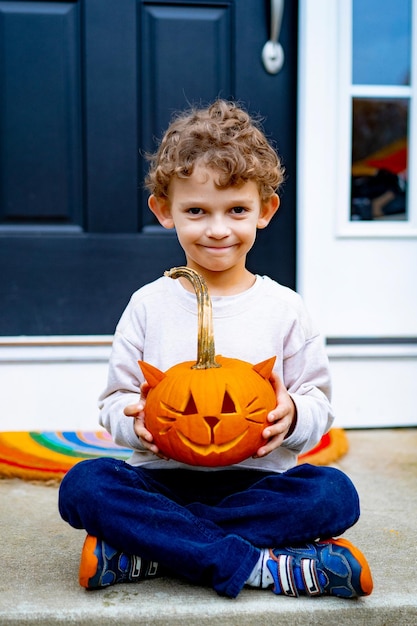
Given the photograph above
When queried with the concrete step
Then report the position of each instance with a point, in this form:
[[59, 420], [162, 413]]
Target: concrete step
[[40, 553]]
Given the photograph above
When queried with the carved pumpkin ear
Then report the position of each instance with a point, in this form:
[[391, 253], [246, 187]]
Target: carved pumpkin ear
[[152, 374], [264, 368]]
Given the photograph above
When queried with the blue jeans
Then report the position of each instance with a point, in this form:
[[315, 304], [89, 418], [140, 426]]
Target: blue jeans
[[206, 526]]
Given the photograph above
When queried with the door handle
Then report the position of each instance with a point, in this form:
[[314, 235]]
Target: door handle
[[272, 52]]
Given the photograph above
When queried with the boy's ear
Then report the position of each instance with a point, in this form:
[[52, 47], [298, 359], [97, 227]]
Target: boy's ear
[[268, 210], [160, 208]]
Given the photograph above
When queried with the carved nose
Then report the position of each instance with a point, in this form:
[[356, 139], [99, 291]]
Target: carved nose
[[211, 421]]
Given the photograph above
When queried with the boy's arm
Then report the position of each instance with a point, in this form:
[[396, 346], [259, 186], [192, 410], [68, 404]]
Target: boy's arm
[[303, 413], [123, 389], [307, 379]]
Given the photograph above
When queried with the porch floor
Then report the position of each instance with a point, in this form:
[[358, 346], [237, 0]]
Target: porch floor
[[39, 563]]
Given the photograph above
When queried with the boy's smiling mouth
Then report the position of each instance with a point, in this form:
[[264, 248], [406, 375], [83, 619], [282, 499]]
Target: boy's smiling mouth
[[219, 248]]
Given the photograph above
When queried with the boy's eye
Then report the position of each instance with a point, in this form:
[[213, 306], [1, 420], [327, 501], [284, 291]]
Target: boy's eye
[[239, 210], [194, 210]]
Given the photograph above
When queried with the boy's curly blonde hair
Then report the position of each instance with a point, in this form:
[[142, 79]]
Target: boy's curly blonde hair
[[223, 137]]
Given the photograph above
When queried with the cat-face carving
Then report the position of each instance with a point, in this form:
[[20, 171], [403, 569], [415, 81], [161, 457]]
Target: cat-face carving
[[209, 417]]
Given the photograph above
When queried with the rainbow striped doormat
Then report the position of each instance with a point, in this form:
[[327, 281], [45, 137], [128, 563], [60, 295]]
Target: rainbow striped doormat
[[49, 455]]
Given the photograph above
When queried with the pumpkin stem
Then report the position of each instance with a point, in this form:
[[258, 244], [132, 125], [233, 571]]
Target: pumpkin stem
[[205, 346]]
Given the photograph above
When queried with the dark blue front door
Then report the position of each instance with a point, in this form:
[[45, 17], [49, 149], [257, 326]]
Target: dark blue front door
[[85, 88]]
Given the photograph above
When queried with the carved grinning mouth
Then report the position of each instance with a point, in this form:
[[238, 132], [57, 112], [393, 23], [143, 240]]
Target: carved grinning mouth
[[205, 450]]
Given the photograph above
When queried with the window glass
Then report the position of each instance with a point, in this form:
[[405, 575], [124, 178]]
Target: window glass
[[381, 91], [379, 158], [381, 42]]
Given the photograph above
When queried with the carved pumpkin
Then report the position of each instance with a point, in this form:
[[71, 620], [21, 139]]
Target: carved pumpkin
[[211, 412]]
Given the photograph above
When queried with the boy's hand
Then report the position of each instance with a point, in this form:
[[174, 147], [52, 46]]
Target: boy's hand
[[282, 419], [137, 411]]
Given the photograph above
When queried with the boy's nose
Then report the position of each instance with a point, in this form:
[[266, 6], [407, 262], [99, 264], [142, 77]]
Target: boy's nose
[[218, 228]]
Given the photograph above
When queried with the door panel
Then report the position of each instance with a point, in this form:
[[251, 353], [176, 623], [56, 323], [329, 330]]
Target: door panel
[[76, 237], [112, 143], [41, 158]]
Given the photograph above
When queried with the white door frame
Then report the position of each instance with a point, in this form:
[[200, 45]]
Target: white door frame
[[358, 279]]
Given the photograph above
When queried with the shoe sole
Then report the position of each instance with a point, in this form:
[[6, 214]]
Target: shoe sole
[[89, 561], [365, 577]]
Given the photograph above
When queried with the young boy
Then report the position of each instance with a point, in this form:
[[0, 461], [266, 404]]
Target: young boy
[[265, 522]]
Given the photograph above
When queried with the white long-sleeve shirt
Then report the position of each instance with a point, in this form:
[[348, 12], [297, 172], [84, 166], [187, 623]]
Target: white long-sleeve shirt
[[159, 326]]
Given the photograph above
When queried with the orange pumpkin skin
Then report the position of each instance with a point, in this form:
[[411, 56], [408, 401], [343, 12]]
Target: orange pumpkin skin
[[209, 417]]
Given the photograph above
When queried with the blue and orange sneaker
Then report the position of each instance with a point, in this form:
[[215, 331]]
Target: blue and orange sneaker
[[334, 567], [101, 565]]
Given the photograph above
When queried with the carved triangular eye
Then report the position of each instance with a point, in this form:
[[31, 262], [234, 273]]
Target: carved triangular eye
[[191, 408], [228, 404]]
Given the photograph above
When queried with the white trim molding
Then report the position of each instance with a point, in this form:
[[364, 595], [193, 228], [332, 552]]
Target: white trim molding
[[57, 349], [52, 383], [374, 385]]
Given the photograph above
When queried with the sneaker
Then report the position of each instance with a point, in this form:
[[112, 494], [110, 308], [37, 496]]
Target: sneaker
[[333, 567], [101, 566]]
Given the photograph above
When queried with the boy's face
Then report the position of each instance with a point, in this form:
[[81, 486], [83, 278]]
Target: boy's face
[[216, 227]]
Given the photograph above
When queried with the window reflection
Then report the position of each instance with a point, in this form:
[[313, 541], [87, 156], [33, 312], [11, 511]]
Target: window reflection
[[379, 159]]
